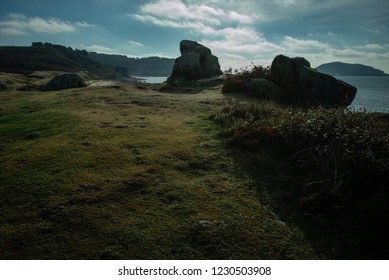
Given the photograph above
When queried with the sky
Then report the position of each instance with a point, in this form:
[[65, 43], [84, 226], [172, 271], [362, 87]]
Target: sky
[[240, 33]]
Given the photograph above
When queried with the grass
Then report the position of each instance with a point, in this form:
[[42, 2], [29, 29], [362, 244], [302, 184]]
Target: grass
[[131, 173], [128, 173]]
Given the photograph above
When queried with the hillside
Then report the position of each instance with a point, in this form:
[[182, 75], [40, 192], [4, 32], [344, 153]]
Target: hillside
[[148, 66], [347, 69], [49, 57]]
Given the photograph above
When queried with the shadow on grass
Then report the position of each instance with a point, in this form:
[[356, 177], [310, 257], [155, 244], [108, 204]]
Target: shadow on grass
[[334, 232]]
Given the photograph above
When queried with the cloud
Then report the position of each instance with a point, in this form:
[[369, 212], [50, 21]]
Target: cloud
[[135, 44], [304, 46], [227, 32], [20, 24], [244, 19], [101, 49], [173, 12], [372, 29], [158, 54], [373, 47], [241, 40], [177, 11], [230, 28], [85, 25], [348, 53], [195, 26]]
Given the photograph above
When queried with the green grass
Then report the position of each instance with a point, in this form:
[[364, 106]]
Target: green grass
[[100, 173]]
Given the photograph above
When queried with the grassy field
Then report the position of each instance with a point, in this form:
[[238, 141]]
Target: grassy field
[[131, 173]]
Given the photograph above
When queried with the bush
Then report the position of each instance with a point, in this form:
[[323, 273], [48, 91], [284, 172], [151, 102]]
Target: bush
[[337, 142], [234, 78], [341, 158]]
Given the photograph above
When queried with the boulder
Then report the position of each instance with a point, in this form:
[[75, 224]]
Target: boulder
[[64, 81], [196, 62], [191, 86], [257, 87], [306, 86], [264, 89]]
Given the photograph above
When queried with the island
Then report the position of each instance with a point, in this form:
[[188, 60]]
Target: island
[[348, 69]]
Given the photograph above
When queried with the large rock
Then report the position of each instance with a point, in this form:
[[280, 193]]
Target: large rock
[[196, 62], [65, 81], [257, 87], [264, 89], [306, 86]]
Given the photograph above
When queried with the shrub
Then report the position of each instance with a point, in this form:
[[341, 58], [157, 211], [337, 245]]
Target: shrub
[[233, 78], [336, 142], [249, 121], [341, 157]]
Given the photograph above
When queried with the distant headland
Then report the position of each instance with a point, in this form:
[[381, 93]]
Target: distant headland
[[50, 57], [348, 69]]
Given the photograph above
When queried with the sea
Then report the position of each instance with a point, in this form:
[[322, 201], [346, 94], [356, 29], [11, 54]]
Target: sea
[[372, 92], [152, 80]]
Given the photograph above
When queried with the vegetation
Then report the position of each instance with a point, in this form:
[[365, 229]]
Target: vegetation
[[128, 173], [340, 159], [233, 78], [131, 173]]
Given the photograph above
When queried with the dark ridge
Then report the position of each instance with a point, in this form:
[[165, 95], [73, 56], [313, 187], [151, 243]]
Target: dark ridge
[[50, 57], [147, 66]]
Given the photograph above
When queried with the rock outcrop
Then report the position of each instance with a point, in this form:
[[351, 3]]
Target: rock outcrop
[[257, 87], [64, 81], [292, 81], [196, 62], [308, 87]]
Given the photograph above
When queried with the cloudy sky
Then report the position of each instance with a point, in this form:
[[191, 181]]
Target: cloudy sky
[[238, 32]]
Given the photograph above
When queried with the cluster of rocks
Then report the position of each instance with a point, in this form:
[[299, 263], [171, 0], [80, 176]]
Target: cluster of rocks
[[292, 80]]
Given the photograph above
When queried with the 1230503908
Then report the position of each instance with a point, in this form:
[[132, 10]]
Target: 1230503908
[[241, 270]]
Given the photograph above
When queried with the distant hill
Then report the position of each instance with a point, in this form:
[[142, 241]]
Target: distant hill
[[347, 69], [149, 66], [50, 57]]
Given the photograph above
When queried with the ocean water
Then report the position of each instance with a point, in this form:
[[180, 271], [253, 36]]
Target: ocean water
[[153, 80], [372, 94]]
